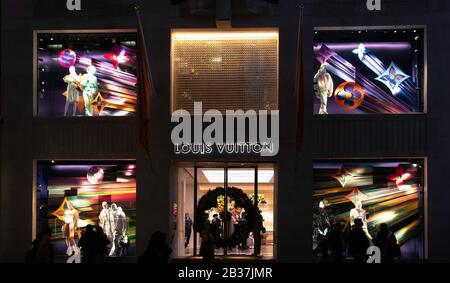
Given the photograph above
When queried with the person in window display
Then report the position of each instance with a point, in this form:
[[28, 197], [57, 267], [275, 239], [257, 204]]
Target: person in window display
[[90, 89], [359, 213], [73, 91], [69, 228], [324, 87]]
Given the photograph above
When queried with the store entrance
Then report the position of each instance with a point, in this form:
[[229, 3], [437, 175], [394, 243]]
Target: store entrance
[[231, 212]]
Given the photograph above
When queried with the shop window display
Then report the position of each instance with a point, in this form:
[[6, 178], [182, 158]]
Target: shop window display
[[86, 74], [384, 198], [369, 71], [72, 196]]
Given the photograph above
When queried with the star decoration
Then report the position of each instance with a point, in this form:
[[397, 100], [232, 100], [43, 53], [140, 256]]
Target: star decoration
[[116, 58], [392, 77], [355, 196], [400, 177], [99, 103], [59, 213], [360, 51], [324, 54], [343, 176]]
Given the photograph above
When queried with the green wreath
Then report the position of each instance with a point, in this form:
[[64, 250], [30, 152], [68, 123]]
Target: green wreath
[[254, 220]]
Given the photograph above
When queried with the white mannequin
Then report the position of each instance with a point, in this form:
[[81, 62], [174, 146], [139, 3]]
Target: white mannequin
[[72, 80], [104, 221], [114, 220], [69, 228], [324, 87], [90, 89], [121, 227]]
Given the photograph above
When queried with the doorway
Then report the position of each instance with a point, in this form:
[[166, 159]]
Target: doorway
[[233, 203]]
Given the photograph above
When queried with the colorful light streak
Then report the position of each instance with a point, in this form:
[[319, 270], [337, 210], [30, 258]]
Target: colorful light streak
[[377, 99], [87, 198], [385, 202]]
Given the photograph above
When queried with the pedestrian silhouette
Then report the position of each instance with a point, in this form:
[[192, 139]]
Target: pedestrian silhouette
[[102, 244], [387, 242], [157, 251], [336, 242], [358, 242], [88, 244], [42, 248]]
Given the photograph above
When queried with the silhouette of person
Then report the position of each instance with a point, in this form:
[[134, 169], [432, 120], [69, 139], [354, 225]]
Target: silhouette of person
[[358, 242], [102, 244], [259, 229], [157, 251], [336, 242], [243, 230], [207, 242], [42, 249], [387, 242], [215, 229], [187, 229], [88, 245]]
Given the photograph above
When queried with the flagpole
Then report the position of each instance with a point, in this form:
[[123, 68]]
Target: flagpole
[[141, 31], [299, 88], [144, 103], [299, 82]]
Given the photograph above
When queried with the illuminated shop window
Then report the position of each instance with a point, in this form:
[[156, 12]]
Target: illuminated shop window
[[72, 195], [86, 74], [236, 203], [225, 70], [369, 71], [387, 193]]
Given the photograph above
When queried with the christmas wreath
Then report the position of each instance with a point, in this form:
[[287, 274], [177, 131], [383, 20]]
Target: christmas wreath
[[253, 218]]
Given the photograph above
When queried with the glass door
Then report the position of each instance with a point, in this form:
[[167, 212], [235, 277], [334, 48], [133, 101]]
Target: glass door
[[231, 216]]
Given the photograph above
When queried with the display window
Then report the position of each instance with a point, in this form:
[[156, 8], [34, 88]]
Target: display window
[[362, 203], [225, 209], [369, 71], [75, 197], [85, 74]]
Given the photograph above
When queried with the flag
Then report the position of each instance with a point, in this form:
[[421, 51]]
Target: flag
[[299, 83], [145, 88]]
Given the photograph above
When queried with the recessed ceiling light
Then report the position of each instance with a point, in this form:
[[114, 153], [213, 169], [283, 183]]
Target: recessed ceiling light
[[238, 175]]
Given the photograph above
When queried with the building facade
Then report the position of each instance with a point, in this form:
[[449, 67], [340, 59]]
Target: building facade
[[157, 190]]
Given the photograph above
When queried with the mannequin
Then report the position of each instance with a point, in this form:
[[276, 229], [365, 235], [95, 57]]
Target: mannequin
[[115, 227], [90, 89], [324, 87], [321, 227], [121, 227], [69, 227], [72, 80], [104, 221], [359, 212]]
